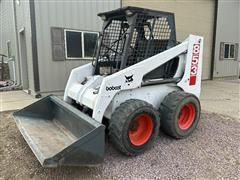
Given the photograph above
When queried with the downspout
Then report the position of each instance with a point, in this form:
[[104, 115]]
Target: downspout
[[238, 50], [17, 45], [214, 39], [18, 85], [34, 49]]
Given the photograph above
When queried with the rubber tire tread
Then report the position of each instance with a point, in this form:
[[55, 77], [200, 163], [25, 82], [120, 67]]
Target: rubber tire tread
[[169, 110], [118, 126]]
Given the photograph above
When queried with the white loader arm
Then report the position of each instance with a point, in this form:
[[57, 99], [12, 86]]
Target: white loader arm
[[190, 82], [77, 75]]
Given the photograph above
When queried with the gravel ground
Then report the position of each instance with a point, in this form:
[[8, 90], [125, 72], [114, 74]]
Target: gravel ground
[[212, 152]]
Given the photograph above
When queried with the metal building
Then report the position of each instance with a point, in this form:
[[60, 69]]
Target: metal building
[[34, 33], [227, 60], [40, 37], [218, 21]]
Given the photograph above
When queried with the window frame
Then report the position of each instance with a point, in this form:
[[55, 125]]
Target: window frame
[[229, 51], [82, 43]]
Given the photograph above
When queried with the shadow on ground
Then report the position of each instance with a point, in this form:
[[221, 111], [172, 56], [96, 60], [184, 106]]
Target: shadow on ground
[[211, 152]]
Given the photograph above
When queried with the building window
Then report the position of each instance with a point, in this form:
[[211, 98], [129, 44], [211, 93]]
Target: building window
[[228, 51], [80, 44], [73, 44], [90, 41]]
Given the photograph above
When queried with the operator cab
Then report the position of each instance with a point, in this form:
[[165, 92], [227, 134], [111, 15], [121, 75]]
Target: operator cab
[[132, 34]]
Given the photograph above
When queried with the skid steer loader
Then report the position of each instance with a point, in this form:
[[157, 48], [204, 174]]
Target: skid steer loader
[[141, 77]]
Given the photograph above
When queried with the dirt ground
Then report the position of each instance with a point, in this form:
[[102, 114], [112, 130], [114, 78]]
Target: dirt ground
[[211, 152]]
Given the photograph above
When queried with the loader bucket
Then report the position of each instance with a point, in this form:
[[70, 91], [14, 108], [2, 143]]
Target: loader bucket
[[61, 135]]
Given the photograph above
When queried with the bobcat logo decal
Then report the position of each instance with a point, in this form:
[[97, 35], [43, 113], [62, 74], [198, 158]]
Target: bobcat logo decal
[[129, 78]]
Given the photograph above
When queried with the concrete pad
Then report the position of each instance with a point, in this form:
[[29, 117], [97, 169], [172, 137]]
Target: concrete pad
[[13, 100], [222, 97]]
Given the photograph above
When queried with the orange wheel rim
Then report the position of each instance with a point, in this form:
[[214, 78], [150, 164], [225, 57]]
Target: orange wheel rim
[[186, 116], [141, 130]]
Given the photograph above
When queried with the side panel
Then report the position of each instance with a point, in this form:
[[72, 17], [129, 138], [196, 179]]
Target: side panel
[[151, 94], [191, 81]]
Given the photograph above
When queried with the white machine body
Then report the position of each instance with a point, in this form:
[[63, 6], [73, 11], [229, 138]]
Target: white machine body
[[103, 94]]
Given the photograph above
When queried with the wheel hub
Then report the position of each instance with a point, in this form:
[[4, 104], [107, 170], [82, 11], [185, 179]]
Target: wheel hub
[[141, 130], [186, 116]]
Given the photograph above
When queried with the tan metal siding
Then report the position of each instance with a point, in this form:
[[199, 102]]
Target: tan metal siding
[[191, 17], [80, 15]]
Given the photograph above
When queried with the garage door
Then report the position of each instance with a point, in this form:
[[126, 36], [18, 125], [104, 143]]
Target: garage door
[[191, 17]]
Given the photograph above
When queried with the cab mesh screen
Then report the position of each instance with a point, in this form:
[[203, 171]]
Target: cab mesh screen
[[113, 40], [150, 37]]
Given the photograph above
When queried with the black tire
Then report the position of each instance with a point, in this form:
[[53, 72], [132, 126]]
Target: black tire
[[174, 123], [121, 125]]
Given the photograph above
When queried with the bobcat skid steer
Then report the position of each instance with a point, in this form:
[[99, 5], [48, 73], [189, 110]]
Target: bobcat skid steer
[[140, 78]]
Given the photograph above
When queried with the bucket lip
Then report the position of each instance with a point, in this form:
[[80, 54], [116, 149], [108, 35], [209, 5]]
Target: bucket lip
[[75, 111], [66, 152], [57, 159], [64, 105], [18, 112]]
